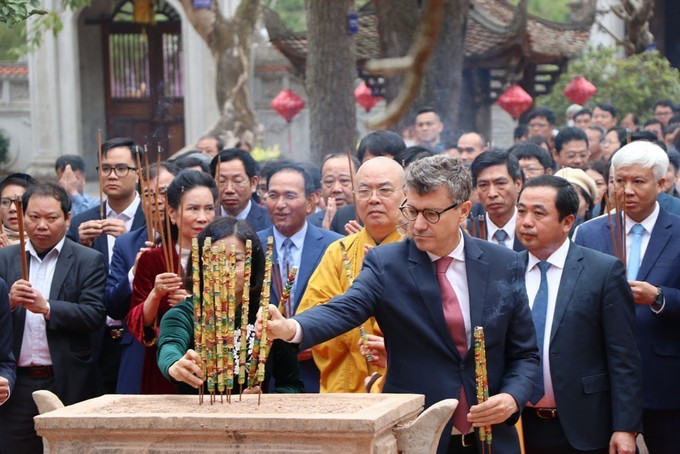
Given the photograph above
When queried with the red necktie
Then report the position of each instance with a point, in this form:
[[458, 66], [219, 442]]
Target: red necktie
[[453, 316]]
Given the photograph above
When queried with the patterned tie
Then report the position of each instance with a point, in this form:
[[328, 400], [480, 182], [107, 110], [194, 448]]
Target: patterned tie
[[287, 262], [538, 313], [635, 250], [500, 236], [453, 316]]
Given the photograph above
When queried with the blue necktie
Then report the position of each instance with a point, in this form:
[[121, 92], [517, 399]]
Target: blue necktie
[[538, 313], [287, 263], [500, 236], [635, 249]]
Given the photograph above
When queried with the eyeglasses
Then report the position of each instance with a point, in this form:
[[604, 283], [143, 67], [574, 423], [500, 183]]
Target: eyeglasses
[[538, 125], [367, 193], [430, 215], [6, 202], [121, 170]]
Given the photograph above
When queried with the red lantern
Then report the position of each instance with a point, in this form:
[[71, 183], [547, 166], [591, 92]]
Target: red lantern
[[287, 104], [579, 90], [364, 97], [515, 101]]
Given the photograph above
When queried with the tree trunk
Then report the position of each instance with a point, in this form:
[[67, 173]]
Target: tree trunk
[[230, 41], [329, 79]]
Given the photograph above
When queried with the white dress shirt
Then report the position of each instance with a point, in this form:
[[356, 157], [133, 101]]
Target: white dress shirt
[[242, 215], [533, 281], [34, 348], [509, 228]]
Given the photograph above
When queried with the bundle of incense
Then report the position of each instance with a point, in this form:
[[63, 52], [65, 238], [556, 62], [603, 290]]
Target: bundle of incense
[[168, 240], [179, 232], [144, 187], [208, 319], [245, 302], [220, 317], [22, 237], [617, 230], [481, 380], [264, 304], [231, 318], [101, 191], [285, 304], [196, 299]]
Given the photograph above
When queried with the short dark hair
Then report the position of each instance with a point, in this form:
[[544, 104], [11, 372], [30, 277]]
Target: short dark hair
[[314, 172], [569, 134], [648, 136], [153, 169], [230, 154], [294, 167], [427, 109], [329, 156], [607, 108], [583, 111], [526, 150], [654, 121], [380, 143], [544, 112], [600, 129], [520, 131], [189, 179], [20, 179], [220, 142], [48, 190], [566, 200], [410, 154], [494, 158], [125, 142], [621, 133], [674, 158], [664, 103], [192, 160], [75, 161], [537, 140]]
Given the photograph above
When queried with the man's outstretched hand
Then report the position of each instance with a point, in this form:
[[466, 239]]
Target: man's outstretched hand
[[278, 327]]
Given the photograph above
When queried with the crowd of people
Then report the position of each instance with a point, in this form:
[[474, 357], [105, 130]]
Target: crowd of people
[[402, 249]]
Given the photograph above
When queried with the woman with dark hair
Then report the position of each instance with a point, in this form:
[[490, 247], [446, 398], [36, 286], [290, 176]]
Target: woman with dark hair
[[596, 171], [11, 188], [156, 288], [615, 138], [177, 359]]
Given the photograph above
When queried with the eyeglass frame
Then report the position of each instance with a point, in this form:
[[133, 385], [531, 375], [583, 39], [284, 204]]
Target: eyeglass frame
[[375, 191], [114, 169], [439, 213]]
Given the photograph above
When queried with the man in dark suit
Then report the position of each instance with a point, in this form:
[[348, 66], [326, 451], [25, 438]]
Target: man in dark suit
[[427, 294], [653, 258], [498, 177], [237, 181], [7, 362], [54, 314], [126, 251], [336, 188], [123, 213], [588, 395], [296, 243]]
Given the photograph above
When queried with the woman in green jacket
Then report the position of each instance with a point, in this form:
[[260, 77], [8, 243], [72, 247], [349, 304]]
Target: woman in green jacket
[[176, 357]]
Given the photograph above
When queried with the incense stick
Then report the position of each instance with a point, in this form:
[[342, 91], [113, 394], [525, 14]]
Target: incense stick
[[22, 239], [179, 231], [351, 179], [101, 192]]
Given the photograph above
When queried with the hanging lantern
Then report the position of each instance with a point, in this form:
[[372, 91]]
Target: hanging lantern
[[287, 104], [365, 98], [144, 12], [579, 90], [515, 101]]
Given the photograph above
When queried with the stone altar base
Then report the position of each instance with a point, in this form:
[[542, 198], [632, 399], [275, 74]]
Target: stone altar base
[[283, 423]]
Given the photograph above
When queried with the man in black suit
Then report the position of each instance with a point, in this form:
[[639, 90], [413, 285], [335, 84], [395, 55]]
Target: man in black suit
[[7, 362], [498, 177], [428, 293], [588, 392], [237, 180], [54, 314], [123, 213]]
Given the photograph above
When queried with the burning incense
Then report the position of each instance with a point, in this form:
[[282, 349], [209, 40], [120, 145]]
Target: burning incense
[[101, 191], [22, 237], [482, 381]]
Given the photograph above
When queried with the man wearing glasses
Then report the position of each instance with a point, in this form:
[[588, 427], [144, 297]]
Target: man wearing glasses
[[122, 213], [542, 123], [571, 148], [428, 293]]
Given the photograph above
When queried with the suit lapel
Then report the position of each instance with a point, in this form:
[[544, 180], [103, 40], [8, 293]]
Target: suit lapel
[[64, 263], [312, 248], [139, 220], [660, 236], [573, 266]]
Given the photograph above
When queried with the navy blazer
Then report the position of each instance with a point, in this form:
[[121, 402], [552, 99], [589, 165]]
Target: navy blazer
[[316, 218], [7, 362], [313, 248], [101, 243], [594, 361], [669, 203], [258, 217], [658, 336], [342, 217], [117, 301], [398, 286], [473, 220], [76, 311]]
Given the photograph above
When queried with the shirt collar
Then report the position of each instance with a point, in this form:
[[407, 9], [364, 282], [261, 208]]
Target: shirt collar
[[298, 238], [458, 252], [58, 247], [648, 223], [128, 212], [556, 259], [509, 226]]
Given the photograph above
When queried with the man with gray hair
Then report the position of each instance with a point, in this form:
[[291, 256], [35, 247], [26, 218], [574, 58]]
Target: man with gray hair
[[652, 246], [428, 293]]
